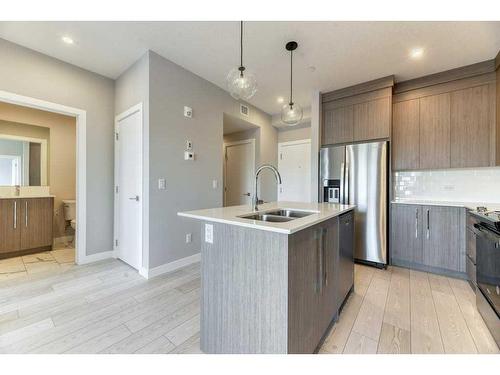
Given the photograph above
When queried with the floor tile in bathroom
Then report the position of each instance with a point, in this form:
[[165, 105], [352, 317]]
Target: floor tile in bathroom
[[12, 275], [66, 255], [11, 265], [38, 257]]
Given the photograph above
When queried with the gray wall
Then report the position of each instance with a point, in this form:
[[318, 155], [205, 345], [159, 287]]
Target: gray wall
[[131, 88], [294, 133], [189, 184], [26, 72]]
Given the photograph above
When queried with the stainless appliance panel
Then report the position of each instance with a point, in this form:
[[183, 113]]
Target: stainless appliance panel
[[366, 187], [489, 316], [345, 274], [331, 159]]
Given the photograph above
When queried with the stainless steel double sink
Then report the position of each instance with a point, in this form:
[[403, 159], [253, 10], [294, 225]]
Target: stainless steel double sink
[[277, 216]]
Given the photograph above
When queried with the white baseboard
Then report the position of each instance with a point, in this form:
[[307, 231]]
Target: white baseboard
[[96, 257], [169, 267]]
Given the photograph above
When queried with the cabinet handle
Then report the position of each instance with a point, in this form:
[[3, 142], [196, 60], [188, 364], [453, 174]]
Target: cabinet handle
[[15, 214], [26, 214], [320, 273], [428, 225], [416, 223], [325, 268]]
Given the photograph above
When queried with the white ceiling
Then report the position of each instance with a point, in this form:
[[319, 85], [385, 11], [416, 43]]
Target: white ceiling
[[343, 53]]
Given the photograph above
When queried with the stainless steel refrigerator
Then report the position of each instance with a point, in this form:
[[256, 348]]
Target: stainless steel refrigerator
[[359, 174]]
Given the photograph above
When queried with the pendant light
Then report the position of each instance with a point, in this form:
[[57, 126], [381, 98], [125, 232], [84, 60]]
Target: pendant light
[[241, 83], [291, 113]]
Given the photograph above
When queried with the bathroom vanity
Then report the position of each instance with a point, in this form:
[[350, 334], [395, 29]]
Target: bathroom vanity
[[273, 280], [25, 225]]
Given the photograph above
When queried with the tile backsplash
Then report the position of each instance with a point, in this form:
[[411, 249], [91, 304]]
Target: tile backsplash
[[463, 185]]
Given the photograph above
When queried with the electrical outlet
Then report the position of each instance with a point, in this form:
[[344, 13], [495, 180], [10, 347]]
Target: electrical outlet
[[209, 233], [189, 145], [188, 238], [188, 112], [188, 155]]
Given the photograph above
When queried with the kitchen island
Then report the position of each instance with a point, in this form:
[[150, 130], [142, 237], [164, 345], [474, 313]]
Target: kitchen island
[[273, 280]]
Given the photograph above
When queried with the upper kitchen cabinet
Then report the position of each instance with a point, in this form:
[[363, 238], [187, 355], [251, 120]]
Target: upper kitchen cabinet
[[435, 131], [405, 135], [372, 120], [337, 124], [471, 127], [455, 126], [357, 113]]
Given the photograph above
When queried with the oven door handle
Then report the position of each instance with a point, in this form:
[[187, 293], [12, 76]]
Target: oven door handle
[[488, 235]]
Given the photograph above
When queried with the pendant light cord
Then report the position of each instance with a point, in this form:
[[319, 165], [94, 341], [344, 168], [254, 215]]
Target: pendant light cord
[[291, 77], [241, 43]]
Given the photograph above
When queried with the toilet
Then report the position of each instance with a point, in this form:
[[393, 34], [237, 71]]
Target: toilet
[[70, 212]]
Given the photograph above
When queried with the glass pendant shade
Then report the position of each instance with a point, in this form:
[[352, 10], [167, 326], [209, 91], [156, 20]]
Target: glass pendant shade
[[291, 114], [241, 84]]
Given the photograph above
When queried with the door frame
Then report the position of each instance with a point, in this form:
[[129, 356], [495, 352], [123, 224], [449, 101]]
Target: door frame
[[291, 143], [80, 116], [144, 192], [224, 154]]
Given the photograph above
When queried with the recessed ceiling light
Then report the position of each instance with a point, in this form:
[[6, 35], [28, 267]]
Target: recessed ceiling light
[[416, 53], [67, 40], [280, 99]]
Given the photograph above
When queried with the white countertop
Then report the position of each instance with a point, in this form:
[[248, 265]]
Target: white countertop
[[230, 215], [469, 205], [26, 196]]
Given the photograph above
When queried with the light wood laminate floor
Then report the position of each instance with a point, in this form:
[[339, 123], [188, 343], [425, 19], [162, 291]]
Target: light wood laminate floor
[[106, 307]]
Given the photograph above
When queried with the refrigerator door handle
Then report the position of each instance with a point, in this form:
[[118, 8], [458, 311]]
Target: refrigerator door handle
[[342, 170], [347, 184]]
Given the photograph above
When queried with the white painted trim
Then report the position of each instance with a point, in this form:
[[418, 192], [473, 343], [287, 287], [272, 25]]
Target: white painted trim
[[169, 267], [116, 249], [292, 143], [96, 257], [43, 153], [224, 147], [81, 161], [315, 143]]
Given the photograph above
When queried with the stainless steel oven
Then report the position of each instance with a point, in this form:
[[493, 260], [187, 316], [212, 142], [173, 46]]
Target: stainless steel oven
[[487, 234]]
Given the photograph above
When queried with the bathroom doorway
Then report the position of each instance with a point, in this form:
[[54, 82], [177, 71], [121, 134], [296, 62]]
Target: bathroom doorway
[[79, 119]]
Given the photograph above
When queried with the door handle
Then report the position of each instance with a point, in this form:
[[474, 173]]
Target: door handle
[[135, 198], [428, 225], [15, 214], [246, 194], [26, 214]]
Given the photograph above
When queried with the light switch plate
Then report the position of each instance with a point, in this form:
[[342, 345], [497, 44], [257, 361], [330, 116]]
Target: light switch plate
[[189, 145], [209, 233], [162, 184], [214, 184], [188, 112], [188, 238], [188, 155]]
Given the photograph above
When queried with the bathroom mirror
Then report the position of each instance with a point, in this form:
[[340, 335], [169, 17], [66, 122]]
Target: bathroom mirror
[[23, 161]]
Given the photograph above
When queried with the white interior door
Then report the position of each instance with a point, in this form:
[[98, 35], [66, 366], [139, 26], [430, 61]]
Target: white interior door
[[239, 172], [128, 164], [294, 165]]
